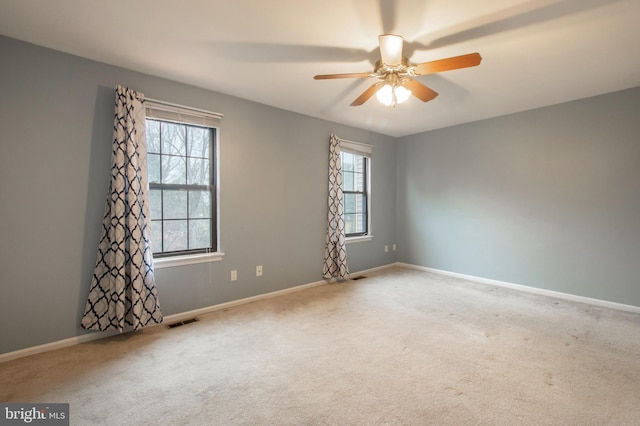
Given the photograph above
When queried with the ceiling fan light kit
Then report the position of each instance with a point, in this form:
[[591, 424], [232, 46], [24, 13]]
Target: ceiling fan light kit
[[396, 74], [393, 92], [390, 49], [391, 96]]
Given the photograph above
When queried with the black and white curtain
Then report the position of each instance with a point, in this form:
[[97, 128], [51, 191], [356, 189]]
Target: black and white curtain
[[123, 287], [335, 255]]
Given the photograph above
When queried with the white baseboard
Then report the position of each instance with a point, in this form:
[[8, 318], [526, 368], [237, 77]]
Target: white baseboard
[[59, 344], [529, 289], [194, 313]]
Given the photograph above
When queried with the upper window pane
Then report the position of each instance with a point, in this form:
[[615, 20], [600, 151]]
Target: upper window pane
[[199, 140], [174, 169], [358, 182], [347, 181], [347, 161], [153, 167], [358, 164], [153, 136], [198, 171], [173, 138]]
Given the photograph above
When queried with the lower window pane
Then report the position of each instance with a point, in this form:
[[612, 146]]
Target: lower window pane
[[174, 205], [199, 233], [349, 223], [349, 203], [199, 204], [155, 203], [361, 204], [156, 236], [175, 235], [355, 223], [361, 223]]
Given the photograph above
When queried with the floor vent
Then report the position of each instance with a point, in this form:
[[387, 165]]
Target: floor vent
[[181, 323], [358, 278]]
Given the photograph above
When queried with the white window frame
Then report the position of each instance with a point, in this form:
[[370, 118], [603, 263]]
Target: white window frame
[[166, 111], [364, 150]]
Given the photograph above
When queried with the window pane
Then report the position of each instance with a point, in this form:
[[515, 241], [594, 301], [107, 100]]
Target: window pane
[[199, 204], [347, 181], [173, 139], [174, 204], [198, 173], [153, 136], [355, 223], [358, 163], [174, 170], [347, 161], [361, 203], [199, 233], [361, 223], [175, 235], [358, 182], [156, 236], [198, 142], [349, 203], [155, 204], [349, 223], [153, 167]]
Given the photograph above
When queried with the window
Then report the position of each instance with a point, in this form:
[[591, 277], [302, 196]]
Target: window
[[355, 187], [182, 168]]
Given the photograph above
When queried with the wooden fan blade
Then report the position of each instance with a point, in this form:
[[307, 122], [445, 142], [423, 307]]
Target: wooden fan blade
[[454, 63], [367, 94], [349, 75], [419, 90]]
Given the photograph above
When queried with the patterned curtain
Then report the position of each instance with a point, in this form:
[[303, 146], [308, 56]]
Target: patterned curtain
[[123, 287], [335, 255]]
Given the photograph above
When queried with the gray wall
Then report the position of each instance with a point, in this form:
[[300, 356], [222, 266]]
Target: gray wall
[[548, 198], [55, 153]]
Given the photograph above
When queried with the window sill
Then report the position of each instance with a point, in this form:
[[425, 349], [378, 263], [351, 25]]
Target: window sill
[[168, 262], [358, 239]]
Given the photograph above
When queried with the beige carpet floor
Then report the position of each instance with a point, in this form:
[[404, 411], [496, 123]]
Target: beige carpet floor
[[399, 347]]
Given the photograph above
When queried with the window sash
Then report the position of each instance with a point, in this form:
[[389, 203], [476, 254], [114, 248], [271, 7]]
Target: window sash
[[159, 247], [363, 214]]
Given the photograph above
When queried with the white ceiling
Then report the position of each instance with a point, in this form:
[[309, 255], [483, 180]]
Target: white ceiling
[[535, 52]]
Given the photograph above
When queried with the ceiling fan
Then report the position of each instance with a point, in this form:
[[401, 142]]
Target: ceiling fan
[[395, 73]]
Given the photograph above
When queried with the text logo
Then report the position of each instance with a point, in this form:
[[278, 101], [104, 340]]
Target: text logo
[[40, 414]]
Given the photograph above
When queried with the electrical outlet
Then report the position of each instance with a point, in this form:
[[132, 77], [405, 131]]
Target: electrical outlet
[[394, 247], [386, 249], [234, 275], [259, 271]]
